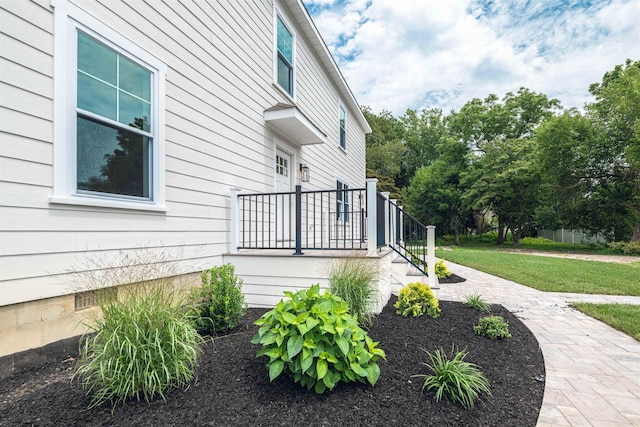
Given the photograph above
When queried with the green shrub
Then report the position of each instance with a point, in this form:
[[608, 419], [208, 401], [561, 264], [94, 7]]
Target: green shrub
[[416, 299], [312, 337], [477, 302], [493, 327], [219, 301], [143, 346], [442, 272], [625, 248], [455, 379], [536, 241], [354, 280]]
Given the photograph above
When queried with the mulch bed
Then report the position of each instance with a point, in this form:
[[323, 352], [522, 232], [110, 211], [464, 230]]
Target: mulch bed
[[452, 279], [233, 387]]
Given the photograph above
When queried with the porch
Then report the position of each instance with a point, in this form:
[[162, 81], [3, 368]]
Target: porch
[[287, 241]]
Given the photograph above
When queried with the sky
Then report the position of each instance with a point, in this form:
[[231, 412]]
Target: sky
[[400, 54]]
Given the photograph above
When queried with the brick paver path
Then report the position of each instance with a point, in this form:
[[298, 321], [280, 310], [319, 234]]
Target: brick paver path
[[592, 370]]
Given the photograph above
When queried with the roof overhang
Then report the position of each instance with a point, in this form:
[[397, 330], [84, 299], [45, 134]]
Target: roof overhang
[[289, 121]]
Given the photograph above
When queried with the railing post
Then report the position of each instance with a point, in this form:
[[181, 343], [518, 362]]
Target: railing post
[[431, 256], [400, 220], [235, 221], [386, 217], [372, 245], [298, 221], [392, 223]]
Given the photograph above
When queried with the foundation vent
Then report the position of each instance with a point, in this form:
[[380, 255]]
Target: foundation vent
[[93, 298]]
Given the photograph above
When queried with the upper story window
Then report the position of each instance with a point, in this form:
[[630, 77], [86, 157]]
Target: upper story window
[[343, 128], [108, 113], [284, 55], [342, 201]]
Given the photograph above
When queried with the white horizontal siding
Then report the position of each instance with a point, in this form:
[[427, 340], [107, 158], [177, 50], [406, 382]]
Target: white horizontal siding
[[219, 58]]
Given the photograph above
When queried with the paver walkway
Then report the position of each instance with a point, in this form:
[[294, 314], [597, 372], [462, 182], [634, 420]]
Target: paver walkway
[[592, 370]]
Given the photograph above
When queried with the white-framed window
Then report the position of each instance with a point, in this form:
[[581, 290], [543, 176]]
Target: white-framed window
[[284, 54], [109, 116], [282, 165], [342, 201], [343, 128]]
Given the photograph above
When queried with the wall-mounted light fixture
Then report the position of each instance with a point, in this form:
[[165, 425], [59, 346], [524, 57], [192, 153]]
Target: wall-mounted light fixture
[[304, 173]]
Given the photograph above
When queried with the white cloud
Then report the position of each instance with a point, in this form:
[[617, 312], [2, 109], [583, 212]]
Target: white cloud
[[399, 54]]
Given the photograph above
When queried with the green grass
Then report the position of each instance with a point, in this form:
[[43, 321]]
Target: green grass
[[551, 274], [623, 317]]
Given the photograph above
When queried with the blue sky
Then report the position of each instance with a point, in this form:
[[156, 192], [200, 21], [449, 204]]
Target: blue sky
[[399, 54]]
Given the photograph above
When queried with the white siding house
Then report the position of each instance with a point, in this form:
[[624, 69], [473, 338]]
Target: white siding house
[[125, 124]]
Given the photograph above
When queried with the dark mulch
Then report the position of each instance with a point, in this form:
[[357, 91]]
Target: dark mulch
[[452, 279], [233, 387]]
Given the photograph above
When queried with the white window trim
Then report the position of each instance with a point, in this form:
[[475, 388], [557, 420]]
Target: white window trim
[[278, 12], [68, 18], [342, 108]]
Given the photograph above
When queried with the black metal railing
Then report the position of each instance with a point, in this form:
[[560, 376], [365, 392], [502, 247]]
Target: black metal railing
[[303, 220], [410, 237]]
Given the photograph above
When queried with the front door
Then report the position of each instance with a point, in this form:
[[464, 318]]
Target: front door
[[283, 202]]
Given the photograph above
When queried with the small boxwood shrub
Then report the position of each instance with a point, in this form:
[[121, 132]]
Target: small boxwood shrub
[[313, 338], [219, 301], [493, 327], [442, 272], [416, 299]]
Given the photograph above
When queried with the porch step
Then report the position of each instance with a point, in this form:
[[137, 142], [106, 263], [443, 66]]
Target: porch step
[[404, 273]]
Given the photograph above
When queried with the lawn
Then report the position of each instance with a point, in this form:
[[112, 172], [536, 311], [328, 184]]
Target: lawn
[[551, 274], [623, 317]]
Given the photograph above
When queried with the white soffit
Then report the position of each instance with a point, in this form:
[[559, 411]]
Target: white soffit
[[290, 122]]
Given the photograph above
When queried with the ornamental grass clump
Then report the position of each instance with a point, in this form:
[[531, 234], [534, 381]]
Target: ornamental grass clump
[[477, 302], [493, 327], [312, 337], [219, 301], [354, 280], [457, 380], [143, 346], [416, 299]]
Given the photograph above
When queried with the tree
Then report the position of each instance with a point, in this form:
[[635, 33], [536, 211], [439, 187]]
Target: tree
[[590, 164], [386, 183], [421, 133], [616, 114], [435, 192], [503, 178], [385, 150]]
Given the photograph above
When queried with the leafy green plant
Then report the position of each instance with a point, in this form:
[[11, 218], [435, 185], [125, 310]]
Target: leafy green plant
[[416, 299], [354, 280], [455, 379], [312, 337], [493, 327], [141, 347], [477, 302], [219, 301], [442, 272]]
